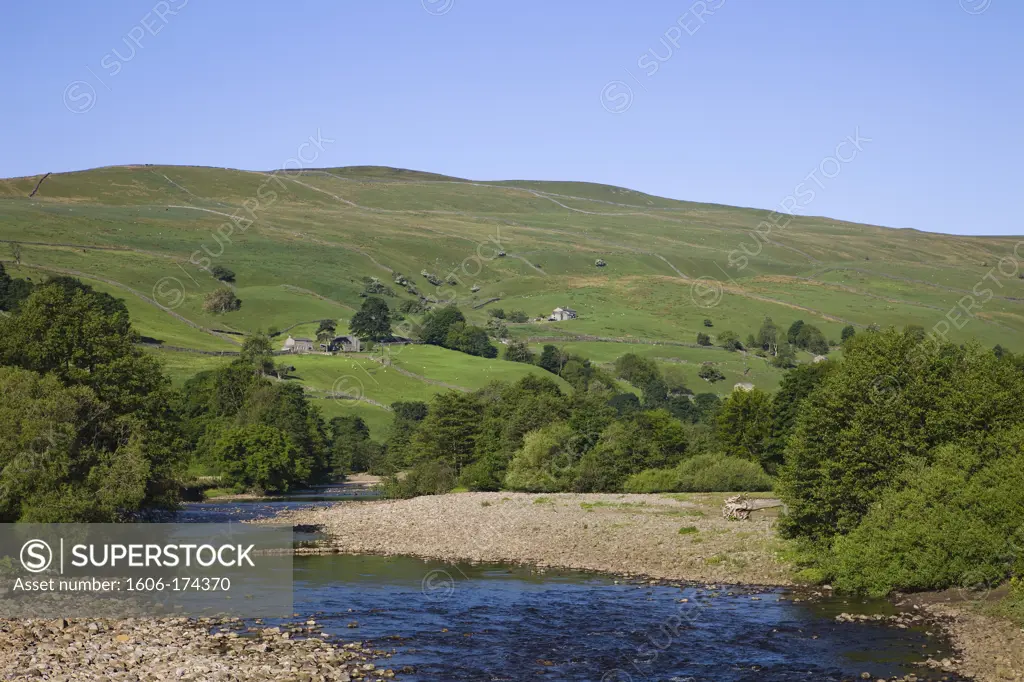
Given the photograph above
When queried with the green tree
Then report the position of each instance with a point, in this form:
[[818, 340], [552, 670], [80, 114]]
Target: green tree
[[222, 273], [848, 333], [519, 351], [83, 338], [258, 353], [438, 322], [729, 340], [260, 457], [744, 427], [708, 372], [708, 323], [811, 339], [327, 330], [498, 313], [12, 291], [645, 440], [450, 430], [222, 301], [407, 418], [794, 331], [889, 403], [785, 358], [954, 523], [518, 316], [470, 340], [552, 358], [703, 339], [373, 321], [351, 447], [768, 336], [545, 461], [58, 461], [787, 403]]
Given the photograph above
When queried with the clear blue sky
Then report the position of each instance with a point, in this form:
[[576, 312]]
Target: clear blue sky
[[749, 104]]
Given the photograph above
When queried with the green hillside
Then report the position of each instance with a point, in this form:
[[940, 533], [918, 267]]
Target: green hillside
[[303, 242]]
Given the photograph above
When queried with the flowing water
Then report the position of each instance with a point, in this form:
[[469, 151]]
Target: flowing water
[[498, 622]]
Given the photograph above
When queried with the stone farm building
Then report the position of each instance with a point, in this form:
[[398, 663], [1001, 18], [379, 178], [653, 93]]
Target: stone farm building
[[300, 345], [562, 314], [345, 344]]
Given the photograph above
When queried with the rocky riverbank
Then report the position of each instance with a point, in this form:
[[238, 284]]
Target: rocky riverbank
[[180, 649], [678, 537], [991, 649]]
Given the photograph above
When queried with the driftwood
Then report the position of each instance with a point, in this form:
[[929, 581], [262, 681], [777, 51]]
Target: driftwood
[[739, 507]]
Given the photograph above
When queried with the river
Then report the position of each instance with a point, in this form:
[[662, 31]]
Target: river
[[499, 622]]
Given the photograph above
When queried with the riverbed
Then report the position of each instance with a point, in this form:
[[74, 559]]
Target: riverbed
[[456, 620]]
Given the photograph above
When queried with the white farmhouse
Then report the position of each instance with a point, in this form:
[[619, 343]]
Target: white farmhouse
[[562, 314]]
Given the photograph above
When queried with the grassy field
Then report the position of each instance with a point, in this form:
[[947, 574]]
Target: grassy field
[[304, 246]]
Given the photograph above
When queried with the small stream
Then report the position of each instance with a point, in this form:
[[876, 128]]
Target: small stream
[[498, 622]]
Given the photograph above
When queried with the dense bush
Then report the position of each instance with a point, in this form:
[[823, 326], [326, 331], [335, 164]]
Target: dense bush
[[708, 372], [54, 465], [643, 440], [518, 316], [545, 461], [715, 474], [470, 340], [890, 402], [261, 458], [958, 521], [426, 478], [702, 473], [653, 481], [222, 273]]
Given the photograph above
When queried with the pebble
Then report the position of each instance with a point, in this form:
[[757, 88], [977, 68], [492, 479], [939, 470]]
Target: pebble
[[177, 648]]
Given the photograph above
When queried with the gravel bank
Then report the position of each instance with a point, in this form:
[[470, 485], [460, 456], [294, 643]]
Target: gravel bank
[[991, 649], [177, 649], [681, 537]]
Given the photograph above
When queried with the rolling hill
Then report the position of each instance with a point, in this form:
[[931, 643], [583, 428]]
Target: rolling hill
[[302, 244]]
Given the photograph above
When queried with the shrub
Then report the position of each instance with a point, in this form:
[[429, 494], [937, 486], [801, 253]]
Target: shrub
[[222, 273], [688, 530], [518, 316], [1012, 606], [709, 372], [712, 473], [542, 464], [653, 481], [718, 474], [703, 339], [427, 478], [956, 523]]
